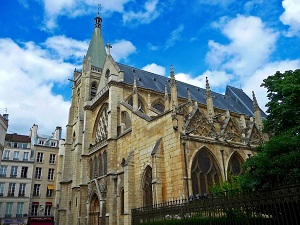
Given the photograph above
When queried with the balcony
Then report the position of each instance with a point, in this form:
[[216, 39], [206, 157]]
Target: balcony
[[19, 215], [21, 194], [7, 215], [16, 159], [2, 175], [1, 194], [13, 175], [11, 194]]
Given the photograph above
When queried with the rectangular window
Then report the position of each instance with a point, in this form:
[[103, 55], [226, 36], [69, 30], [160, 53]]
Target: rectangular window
[[20, 207], [16, 155], [51, 174], [41, 142], [36, 190], [40, 157], [24, 171], [25, 156], [24, 145], [6, 155], [38, 173], [34, 209], [11, 189], [52, 158], [8, 210], [3, 170], [1, 189], [22, 190], [50, 189], [53, 143], [48, 210], [14, 171]]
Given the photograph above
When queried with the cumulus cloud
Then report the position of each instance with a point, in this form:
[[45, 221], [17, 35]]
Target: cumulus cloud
[[216, 78], [251, 44], [121, 49], [291, 16], [74, 8], [149, 13], [28, 74], [154, 68]]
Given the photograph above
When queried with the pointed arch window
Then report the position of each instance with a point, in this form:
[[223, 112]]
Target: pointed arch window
[[235, 165], [93, 89], [205, 172], [104, 162], [141, 107], [122, 200], [159, 107], [100, 166], [96, 168], [102, 124], [147, 187]]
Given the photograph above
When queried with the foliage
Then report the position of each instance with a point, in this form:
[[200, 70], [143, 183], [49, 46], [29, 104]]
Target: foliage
[[277, 161], [284, 105], [231, 186]]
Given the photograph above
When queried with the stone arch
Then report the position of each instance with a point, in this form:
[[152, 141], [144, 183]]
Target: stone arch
[[147, 187], [94, 210], [159, 105], [141, 102], [235, 164], [205, 171]]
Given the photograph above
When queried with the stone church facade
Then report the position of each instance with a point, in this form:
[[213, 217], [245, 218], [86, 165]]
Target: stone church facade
[[135, 138]]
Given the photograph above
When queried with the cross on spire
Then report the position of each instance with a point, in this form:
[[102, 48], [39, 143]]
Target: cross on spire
[[108, 46]]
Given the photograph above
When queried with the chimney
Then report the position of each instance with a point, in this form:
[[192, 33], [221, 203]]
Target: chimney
[[57, 133]]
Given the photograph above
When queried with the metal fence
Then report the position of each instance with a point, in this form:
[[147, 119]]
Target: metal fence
[[278, 206]]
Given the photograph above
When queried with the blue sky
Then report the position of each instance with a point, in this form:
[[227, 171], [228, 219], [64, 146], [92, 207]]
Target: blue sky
[[231, 42]]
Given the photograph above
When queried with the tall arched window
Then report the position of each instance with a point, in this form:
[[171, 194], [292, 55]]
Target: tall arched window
[[235, 164], [205, 172], [91, 169], [147, 187], [122, 201], [105, 162], [96, 168], [100, 166], [93, 89], [159, 107]]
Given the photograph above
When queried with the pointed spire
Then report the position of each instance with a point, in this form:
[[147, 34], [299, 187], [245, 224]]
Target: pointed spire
[[255, 104], [190, 101], [174, 100], [209, 102], [257, 113], [208, 91], [96, 50], [167, 106], [135, 98]]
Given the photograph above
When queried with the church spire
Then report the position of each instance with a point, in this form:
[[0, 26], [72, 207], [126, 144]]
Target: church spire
[[96, 50], [209, 102], [174, 100], [257, 113]]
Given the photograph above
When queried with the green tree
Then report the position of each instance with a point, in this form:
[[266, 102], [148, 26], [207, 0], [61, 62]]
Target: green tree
[[278, 160], [284, 102]]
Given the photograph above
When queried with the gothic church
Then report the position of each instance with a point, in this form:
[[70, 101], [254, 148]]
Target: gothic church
[[135, 138]]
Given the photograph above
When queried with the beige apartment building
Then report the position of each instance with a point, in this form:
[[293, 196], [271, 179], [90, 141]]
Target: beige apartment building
[[15, 179], [45, 148], [3, 130], [135, 138]]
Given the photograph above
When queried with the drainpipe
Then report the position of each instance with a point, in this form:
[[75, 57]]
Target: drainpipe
[[186, 171]]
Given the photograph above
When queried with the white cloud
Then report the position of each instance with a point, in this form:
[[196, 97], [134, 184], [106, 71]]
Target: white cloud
[[149, 13], [122, 49], [253, 82], [154, 68], [175, 36], [67, 48], [75, 8], [216, 78], [291, 16], [251, 44], [28, 74]]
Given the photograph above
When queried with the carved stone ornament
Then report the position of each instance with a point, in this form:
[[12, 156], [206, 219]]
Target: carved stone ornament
[[101, 132]]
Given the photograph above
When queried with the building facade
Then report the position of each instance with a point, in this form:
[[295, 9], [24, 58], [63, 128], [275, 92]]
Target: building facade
[[15, 179], [3, 130], [45, 148], [135, 138]]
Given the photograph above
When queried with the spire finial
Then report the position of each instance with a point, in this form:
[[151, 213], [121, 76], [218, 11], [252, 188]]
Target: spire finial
[[98, 19], [208, 91]]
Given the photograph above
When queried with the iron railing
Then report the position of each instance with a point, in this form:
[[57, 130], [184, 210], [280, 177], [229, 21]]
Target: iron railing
[[277, 206]]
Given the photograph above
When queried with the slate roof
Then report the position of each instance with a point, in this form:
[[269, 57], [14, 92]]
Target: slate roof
[[234, 100], [17, 138]]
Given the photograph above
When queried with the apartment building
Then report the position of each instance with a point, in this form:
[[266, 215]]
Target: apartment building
[[3, 130], [15, 179], [45, 150]]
